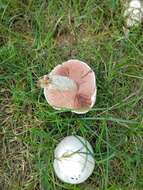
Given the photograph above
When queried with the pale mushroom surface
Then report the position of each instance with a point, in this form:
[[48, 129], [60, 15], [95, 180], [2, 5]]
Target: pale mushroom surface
[[133, 13], [79, 99], [74, 161]]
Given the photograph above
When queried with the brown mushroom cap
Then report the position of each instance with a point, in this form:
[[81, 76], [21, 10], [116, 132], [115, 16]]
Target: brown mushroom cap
[[80, 100]]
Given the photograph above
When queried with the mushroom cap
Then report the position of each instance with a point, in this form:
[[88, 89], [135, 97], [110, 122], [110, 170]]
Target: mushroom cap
[[81, 100], [135, 4], [73, 161], [133, 13]]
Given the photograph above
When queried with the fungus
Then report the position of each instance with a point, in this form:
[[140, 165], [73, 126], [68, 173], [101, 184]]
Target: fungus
[[70, 85], [74, 161]]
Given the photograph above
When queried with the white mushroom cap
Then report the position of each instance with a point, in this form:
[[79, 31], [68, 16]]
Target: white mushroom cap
[[133, 13], [74, 161]]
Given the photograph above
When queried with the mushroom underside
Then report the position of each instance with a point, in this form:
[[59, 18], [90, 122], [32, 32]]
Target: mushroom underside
[[77, 101]]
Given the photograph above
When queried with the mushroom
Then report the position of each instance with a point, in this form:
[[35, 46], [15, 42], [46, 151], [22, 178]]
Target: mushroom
[[70, 85], [74, 161], [133, 14]]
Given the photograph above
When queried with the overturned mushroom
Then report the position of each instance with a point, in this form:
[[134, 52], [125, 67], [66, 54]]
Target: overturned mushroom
[[71, 85]]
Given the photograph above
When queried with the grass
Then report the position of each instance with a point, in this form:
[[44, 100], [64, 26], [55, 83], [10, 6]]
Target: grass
[[34, 37]]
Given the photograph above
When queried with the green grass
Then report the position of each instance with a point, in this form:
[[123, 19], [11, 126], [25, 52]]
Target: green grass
[[36, 35]]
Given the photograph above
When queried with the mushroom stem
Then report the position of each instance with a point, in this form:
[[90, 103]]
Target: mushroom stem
[[43, 82], [57, 82], [62, 83]]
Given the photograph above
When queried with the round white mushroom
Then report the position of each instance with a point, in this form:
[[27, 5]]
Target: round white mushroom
[[74, 161]]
